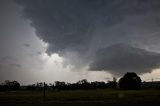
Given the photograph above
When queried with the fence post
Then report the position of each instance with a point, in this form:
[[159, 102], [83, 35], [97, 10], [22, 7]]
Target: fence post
[[44, 93]]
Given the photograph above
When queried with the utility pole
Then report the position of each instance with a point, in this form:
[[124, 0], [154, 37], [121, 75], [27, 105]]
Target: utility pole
[[44, 93]]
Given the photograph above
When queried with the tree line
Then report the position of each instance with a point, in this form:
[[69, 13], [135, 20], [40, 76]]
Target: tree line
[[81, 84], [129, 81]]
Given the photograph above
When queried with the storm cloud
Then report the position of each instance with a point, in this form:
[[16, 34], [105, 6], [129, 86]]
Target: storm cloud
[[123, 58], [79, 30]]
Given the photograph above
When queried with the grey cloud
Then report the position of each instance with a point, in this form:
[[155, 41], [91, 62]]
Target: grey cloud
[[7, 59], [27, 45], [39, 52], [69, 25], [82, 27], [15, 65], [9, 62], [120, 58]]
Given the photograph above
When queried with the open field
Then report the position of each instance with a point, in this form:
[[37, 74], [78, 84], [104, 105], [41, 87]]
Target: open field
[[82, 98]]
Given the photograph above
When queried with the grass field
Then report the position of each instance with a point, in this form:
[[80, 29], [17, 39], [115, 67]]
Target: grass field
[[82, 98]]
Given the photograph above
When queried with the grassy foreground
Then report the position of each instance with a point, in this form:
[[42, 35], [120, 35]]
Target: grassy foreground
[[82, 98]]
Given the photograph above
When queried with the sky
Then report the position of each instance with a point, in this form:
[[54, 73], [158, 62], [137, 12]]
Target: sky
[[70, 40]]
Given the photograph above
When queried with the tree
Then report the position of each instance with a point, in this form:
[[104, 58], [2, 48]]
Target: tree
[[11, 85], [112, 84], [15, 85], [130, 81], [83, 84], [60, 85]]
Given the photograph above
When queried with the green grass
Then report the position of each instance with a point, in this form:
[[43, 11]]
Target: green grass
[[107, 97]]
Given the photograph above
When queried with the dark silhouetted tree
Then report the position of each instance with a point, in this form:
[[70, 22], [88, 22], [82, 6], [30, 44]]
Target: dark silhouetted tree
[[11, 85], [60, 85], [15, 85], [83, 84], [130, 81]]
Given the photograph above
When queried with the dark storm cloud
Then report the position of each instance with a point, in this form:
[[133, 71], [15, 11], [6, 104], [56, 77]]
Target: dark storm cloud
[[83, 27], [122, 58]]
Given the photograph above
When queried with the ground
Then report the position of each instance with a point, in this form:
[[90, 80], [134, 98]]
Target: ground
[[107, 97]]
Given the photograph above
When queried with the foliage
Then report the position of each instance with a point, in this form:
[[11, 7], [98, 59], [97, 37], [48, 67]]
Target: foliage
[[130, 81], [10, 85], [83, 84]]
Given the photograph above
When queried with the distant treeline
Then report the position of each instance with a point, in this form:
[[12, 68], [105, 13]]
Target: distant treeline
[[59, 85], [82, 84], [129, 81]]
